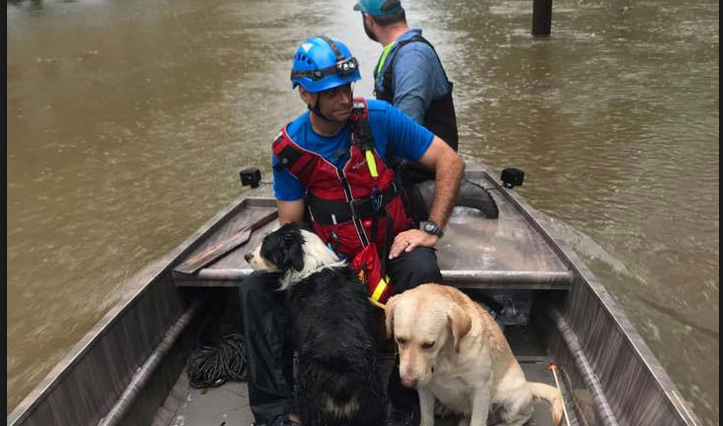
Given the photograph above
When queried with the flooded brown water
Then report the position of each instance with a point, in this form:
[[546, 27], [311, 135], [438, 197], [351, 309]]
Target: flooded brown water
[[127, 122]]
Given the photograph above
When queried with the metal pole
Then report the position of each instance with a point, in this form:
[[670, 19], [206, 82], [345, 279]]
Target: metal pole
[[553, 368], [554, 279], [541, 17]]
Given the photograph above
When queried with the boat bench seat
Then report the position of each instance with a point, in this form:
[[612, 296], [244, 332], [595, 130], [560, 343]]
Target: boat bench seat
[[531, 280]]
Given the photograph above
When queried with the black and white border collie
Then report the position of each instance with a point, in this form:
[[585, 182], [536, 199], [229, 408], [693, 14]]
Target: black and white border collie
[[338, 382]]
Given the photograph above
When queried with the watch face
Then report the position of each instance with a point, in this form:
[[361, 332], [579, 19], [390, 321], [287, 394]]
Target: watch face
[[430, 227]]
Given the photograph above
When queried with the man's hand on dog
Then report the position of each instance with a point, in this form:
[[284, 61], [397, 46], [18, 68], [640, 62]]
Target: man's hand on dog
[[409, 240]]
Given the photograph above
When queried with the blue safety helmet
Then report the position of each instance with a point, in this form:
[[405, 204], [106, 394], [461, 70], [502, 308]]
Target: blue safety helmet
[[322, 63]]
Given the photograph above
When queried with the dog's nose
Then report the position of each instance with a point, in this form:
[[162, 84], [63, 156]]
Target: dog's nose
[[248, 257], [409, 382]]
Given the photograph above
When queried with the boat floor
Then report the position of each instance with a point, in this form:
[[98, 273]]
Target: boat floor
[[228, 404]]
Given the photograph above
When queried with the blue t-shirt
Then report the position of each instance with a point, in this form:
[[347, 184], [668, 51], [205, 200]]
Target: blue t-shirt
[[390, 128]]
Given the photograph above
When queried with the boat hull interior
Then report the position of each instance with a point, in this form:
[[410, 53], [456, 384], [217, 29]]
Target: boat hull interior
[[129, 369]]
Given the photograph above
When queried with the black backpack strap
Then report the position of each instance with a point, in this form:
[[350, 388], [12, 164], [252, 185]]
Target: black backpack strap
[[388, 73]]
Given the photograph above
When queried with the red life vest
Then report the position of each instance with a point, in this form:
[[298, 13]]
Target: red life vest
[[346, 204]]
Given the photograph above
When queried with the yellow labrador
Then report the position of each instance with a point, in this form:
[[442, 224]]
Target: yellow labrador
[[452, 350]]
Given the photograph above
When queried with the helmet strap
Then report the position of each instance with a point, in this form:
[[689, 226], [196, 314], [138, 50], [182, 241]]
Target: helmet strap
[[316, 110]]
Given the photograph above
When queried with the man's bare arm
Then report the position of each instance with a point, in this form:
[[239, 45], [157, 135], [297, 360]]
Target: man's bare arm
[[448, 167], [290, 211]]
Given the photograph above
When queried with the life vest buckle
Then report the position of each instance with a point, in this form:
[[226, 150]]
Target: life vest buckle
[[377, 199], [353, 207]]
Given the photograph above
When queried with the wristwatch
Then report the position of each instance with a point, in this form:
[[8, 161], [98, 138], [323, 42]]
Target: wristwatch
[[431, 227]]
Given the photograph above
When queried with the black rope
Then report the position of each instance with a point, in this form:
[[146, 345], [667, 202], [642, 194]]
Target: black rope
[[491, 188], [213, 364]]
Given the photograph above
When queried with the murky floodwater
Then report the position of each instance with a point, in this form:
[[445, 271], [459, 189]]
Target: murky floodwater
[[127, 122]]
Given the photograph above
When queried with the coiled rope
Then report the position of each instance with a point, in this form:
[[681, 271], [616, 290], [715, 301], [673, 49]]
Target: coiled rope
[[212, 365]]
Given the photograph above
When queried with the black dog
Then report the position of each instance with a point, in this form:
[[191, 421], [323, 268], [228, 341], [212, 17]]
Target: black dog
[[338, 380]]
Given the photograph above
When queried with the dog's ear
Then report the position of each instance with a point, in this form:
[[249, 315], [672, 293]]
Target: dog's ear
[[460, 323], [389, 314], [296, 255]]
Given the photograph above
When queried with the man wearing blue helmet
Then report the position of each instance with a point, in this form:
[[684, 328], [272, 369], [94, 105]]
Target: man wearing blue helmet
[[409, 75], [330, 170]]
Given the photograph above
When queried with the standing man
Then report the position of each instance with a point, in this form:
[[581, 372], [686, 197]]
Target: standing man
[[330, 162], [409, 74]]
